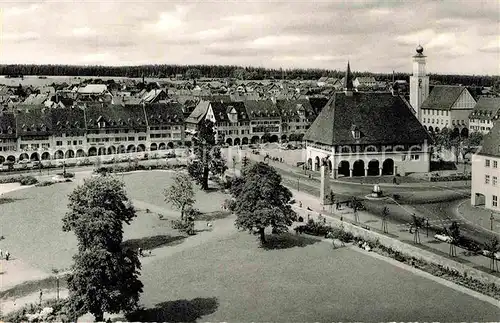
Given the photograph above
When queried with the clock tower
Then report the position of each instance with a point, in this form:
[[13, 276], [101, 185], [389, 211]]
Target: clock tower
[[419, 82]]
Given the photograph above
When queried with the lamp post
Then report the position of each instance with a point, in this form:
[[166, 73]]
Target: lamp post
[[492, 218], [298, 184]]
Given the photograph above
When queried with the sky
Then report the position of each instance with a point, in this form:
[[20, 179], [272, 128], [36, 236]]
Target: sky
[[459, 37]]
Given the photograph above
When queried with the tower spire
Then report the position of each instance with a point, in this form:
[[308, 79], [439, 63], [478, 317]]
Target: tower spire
[[348, 84]]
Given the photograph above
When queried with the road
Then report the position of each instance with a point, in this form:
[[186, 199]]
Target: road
[[433, 201]]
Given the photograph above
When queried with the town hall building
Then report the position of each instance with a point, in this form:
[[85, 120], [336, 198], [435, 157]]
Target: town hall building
[[367, 134]]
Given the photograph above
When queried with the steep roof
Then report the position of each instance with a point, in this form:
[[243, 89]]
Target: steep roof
[[261, 109], [221, 110], [7, 125], [289, 108], [380, 117], [198, 113], [491, 142], [34, 121], [93, 89], [164, 113], [116, 116], [365, 79], [486, 109], [348, 78], [68, 120], [442, 97], [318, 103], [36, 98]]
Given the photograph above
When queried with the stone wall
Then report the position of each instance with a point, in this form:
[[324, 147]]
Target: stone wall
[[416, 252]]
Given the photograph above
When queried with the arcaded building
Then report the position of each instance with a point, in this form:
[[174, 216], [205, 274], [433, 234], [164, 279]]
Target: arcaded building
[[367, 134]]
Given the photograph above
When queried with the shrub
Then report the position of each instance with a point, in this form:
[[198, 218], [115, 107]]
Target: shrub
[[44, 183], [183, 226], [66, 175], [28, 180], [315, 228]]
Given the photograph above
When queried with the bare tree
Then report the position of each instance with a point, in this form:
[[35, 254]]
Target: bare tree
[[385, 214]]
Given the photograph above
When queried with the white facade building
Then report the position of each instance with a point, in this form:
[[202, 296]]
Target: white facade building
[[485, 186], [419, 82]]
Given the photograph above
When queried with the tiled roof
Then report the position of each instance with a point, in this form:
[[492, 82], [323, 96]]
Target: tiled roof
[[93, 89], [68, 120], [198, 113], [219, 97], [36, 98], [380, 117], [486, 109], [261, 109], [221, 109], [442, 97], [152, 95], [491, 142], [115, 116], [318, 104], [34, 120], [289, 108], [7, 125], [365, 79], [164, 113]]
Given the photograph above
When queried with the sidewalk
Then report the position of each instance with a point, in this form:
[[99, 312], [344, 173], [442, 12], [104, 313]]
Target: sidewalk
[[395, 230], [478, 216], [371, 180]]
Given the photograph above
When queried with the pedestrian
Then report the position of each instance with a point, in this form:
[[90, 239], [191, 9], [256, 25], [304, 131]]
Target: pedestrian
[[1, 254], [140, 252], [324, 220], [7, 255], [341, 218], [300, 204], [394, 180], [41, 295]]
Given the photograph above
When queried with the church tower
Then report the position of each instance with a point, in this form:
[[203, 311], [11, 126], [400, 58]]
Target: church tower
[[419, 82]]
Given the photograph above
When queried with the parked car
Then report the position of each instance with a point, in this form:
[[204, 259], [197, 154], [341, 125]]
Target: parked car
[[486, 253], [171, 155], [442, 237]]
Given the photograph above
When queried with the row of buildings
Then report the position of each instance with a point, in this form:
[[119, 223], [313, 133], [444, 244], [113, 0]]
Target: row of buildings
[[37, 132]]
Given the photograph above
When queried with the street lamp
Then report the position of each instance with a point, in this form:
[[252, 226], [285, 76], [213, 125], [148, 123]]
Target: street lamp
[[492, 218], [298, 184]]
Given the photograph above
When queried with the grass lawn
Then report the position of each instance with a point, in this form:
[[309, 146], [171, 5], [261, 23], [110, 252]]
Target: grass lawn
[[234, 280], [31, 220]]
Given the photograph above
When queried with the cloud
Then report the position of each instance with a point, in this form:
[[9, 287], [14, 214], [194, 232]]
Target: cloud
[[19, 37], [97, 58], [492, 46], [375, 35], [83, 31], [20, 10]]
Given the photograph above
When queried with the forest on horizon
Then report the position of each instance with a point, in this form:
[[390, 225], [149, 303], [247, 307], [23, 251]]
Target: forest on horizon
[[226, 71]]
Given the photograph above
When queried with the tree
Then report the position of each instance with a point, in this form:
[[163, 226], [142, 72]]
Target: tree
[[240, 74], [266, 137], [245, 161], [180, 193], [492, 247], [355, 204], [417, 224], [385, 214], [470, 143], [331, 200], [455, 238], [193, 74], [260, 201], [104, 275], [208, 156]]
